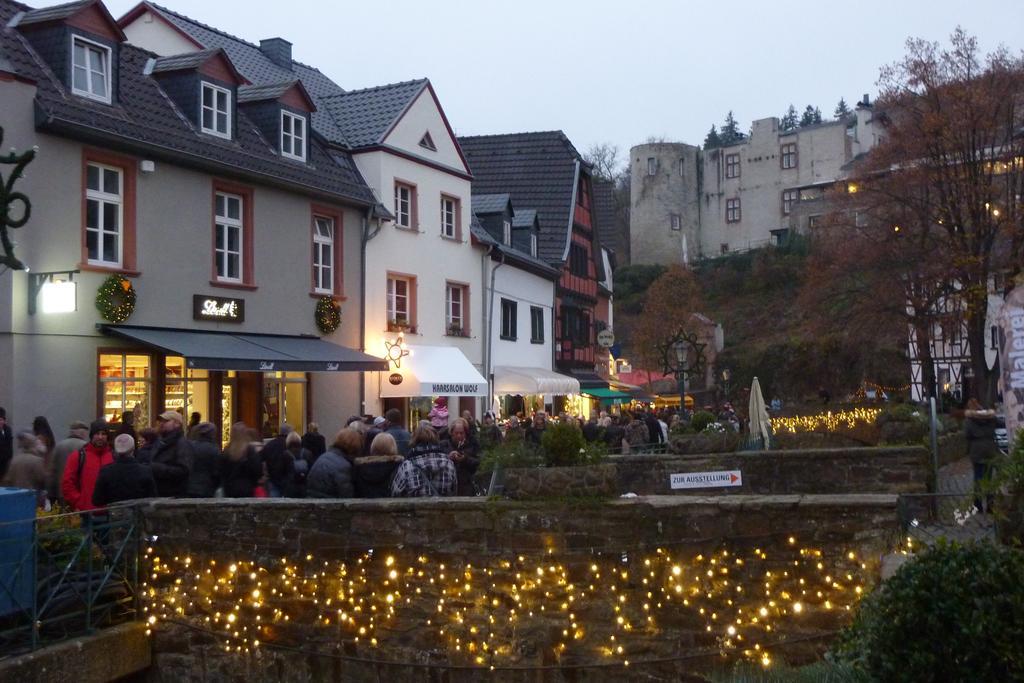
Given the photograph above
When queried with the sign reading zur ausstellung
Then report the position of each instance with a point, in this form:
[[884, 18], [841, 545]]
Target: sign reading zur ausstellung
[[1011, 359], [704, 480]]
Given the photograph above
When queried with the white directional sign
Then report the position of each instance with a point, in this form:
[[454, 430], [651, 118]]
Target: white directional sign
[[703, 480], [605, 339]]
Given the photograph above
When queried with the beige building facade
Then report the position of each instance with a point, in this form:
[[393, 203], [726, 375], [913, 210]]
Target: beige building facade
[[689, 204]]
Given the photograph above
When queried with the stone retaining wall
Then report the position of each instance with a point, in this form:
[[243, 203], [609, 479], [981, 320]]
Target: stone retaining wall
[[579, 567], [829, 471]]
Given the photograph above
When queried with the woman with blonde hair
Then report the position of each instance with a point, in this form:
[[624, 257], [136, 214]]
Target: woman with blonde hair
[[375, 472], [240, 466]]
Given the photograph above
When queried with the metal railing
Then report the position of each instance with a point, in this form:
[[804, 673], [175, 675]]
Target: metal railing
[[65, 575]]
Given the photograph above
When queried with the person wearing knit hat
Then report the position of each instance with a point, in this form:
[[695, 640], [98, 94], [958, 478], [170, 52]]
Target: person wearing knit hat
[[125, 478], [83, 468]]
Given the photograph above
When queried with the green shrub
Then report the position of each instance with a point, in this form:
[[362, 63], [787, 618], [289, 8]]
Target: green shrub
[[700, 420], [954, 613], [510, 454], [562, 444], [819, 672], [593, 452], [901, 412]]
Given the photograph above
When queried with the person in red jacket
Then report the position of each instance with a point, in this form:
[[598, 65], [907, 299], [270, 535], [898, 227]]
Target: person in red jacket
[[81, 473]]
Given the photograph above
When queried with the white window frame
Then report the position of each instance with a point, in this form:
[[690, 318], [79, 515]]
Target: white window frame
[[509, 323], [293, 137], [676, 221], [393, 296], [506, 233], [733, 212], [101, 198], [449, 217], [399, 188], [89, 73], [216, 89], [323, 244], [450, 303], [732, 165], [227, 224], [789, 198], [536, 338]]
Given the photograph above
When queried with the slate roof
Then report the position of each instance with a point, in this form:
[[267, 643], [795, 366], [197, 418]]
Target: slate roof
[[257, 93], [519, 258], [367, 115], [490, 203], [41, 14], [144, 119], [258, 68], [189, 60], [604, 213], [524, 218], [538, 170]]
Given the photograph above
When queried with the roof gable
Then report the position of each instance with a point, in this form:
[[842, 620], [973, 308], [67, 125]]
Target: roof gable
[[367, 116], [424, 113], [291, 94], [211, 62], [88, 15]]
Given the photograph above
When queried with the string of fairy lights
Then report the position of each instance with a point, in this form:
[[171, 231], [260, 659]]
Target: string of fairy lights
[[827, 421], [577, 609]]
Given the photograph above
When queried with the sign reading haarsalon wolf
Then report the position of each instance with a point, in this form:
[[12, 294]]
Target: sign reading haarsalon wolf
[[1011, 359]]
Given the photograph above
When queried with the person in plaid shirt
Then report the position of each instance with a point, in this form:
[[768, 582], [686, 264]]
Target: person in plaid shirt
[[427, 469]]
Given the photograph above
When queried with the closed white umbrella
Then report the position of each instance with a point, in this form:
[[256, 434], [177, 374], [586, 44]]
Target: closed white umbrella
[[759, 420]]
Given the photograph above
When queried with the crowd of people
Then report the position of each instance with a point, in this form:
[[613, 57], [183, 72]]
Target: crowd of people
[[98, 464]]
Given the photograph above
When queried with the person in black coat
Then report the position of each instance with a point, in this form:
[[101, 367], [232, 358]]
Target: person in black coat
[[980, 432], [313, 441], [172, 460], [464, 451], [204, 478], [372, 474], [125, 478], [277, 463]]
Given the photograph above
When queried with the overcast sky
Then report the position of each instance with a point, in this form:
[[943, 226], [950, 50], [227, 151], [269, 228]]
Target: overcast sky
[[604, 71]]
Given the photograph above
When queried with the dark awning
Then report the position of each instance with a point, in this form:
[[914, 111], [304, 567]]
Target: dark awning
[[206, 350], [589, 380]]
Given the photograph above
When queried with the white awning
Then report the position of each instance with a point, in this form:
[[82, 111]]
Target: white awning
[[525, 381], [433, 371]]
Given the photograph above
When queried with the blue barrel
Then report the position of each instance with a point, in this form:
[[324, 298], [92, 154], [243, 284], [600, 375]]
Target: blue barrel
[[17, 559]]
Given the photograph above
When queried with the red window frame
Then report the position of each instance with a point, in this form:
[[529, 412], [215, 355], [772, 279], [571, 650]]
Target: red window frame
[[732, 165], [248, 271], [414, 218], [129, 171], [338, 274]]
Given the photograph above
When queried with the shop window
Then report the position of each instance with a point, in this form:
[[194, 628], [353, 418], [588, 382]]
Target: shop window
[[509, 324], [125, 387], [284, 401], [456, 310], [185, 390]]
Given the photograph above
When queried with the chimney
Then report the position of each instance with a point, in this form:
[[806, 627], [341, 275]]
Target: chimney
[[866, 102], [277, 50]]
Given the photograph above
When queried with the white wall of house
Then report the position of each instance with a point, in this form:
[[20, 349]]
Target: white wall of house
[[526, 290], [422, 252], [153, 33]]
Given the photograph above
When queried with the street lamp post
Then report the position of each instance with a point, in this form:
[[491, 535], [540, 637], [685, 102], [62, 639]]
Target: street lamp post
[[681, 371], [726, 376]]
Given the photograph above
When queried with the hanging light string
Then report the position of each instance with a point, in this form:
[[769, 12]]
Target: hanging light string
[[598, 608], [827, 421]]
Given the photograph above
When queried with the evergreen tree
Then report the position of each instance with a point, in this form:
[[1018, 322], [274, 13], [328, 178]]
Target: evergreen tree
[[730, 130], [817, 115], [790, 120], [713, 139], [842, 110], [807, 118]]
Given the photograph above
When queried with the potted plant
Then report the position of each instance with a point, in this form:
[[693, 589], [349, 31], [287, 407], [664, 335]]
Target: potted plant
[[455, 330], [399, 324]]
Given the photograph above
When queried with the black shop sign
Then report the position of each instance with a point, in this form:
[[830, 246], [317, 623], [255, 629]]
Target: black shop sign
[[218, 309]]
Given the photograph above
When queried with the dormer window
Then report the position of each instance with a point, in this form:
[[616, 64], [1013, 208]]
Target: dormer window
[[90, 68], [293, 136], [216, 111]]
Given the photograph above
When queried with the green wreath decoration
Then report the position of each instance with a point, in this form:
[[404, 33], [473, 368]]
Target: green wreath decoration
[[115, 299], [328, 314]]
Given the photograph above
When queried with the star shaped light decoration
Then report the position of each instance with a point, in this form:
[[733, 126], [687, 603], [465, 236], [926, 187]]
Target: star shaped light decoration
[[396, 351]]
